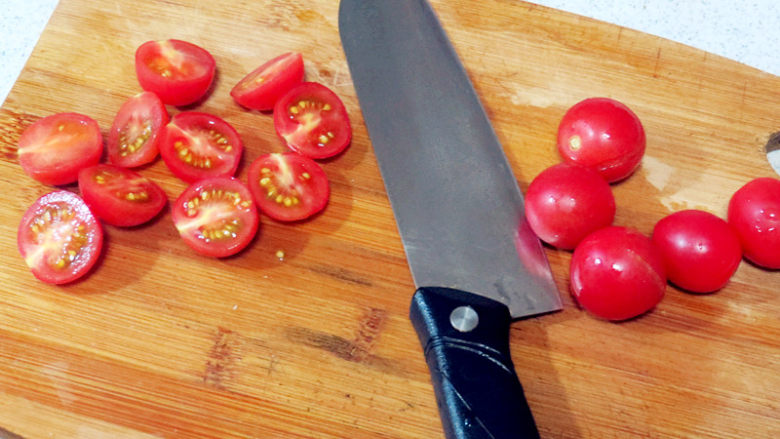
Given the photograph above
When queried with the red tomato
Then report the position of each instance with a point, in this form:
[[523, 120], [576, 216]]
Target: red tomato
[[59, 238], [261, 89], [289, 186], [199, 145], [312, 121], [617, 273], [754, 212], [700, 251], [216, 216], [120, 196], [135, 135], [55, 148], [567, 202], [180, 73], [602, 134]]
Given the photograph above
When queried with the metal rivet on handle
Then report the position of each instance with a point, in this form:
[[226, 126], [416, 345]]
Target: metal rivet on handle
[[464, 318]]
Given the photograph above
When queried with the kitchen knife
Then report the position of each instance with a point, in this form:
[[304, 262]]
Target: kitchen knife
[[459, 212]]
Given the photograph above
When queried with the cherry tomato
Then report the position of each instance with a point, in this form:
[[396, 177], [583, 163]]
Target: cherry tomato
[[260, 89], [312, 121], [617, 273], [55, 148], [288, 186], [602, 134], [216, 216], [199, 145], [700, 251], [135, 134], [754, 212], [59, 238], [180, 73], [120, 196], [566, 202]]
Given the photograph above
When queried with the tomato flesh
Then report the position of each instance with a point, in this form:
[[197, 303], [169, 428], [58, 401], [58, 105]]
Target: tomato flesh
[[180, 73], [288, 186], [566, 202], [701, 251], [754, 212], [119, 196], [312, 121], [617, 273], [260, 89], [59, 238], [55, 148], [135, 134], [216, 216], [602, 134], [200, 145]]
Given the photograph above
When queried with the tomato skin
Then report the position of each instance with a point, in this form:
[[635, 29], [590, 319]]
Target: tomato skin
[[135, 134], [55, 148], [754, 212], [220, 223], [49, 235], [566, 202], [617, 273], [260, 89], [700, 251], [602, 134], [276, 179], [312, 121], [119, 196], [180, 73], [212, 145]]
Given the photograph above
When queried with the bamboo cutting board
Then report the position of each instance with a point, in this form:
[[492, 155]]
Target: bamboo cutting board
[[161, 343]]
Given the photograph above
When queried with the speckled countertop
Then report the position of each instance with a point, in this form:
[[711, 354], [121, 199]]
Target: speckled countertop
[[746, 31]]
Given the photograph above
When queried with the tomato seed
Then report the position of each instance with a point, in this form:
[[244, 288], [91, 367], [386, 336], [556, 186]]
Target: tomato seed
[[128, 145]]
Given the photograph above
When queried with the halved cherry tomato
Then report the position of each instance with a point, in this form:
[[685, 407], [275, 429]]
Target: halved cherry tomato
[[288, 186], [199, 145], [135, 134], [701, 251], [312, 121], [566, 202], [754, 212], [261, 89], [180, 73], [216, 216], [59, 238], [602, 134], [120, 196], [617, 273], [55, 148]]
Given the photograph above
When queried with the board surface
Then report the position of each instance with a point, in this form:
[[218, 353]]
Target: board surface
[[160, 342]]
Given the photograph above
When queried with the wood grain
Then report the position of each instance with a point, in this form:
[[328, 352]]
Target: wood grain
[[159, 342]]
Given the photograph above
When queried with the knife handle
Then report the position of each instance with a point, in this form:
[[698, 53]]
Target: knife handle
[[477, 390]]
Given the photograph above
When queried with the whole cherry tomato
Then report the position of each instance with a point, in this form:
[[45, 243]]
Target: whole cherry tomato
[[602, 134], [617, 273], [701, 251], [566, 202], [754, 212]]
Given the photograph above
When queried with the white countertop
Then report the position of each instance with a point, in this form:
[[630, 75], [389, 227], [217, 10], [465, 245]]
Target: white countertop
[[747, 31]]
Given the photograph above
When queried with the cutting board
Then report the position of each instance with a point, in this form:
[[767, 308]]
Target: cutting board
[[158, 342]]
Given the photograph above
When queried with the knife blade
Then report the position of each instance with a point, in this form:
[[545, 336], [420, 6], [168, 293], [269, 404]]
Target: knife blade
[[458, 208]]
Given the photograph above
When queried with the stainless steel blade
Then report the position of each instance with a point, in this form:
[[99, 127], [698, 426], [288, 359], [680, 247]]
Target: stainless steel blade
[[456, 201]]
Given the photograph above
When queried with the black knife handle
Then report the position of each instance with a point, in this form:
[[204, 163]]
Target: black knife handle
[[477, 389]]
